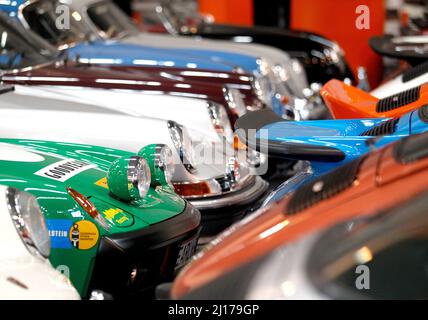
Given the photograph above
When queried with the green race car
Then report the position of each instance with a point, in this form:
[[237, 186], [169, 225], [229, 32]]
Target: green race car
[[114, 222]]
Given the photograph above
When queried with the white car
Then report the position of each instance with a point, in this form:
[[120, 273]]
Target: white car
[[25, 274], [207, 173]]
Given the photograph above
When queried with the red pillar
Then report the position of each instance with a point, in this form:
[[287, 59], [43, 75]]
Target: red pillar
[[229, 11], [336, 20]]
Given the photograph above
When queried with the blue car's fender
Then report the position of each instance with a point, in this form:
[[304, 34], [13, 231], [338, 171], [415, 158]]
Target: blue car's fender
[[325, 144]]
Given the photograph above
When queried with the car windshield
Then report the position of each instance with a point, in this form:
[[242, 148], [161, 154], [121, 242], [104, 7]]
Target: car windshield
[[53, 21], [111, 20], [384, 257], [20, 48]]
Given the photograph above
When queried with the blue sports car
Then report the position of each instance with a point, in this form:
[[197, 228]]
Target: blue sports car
[[324, 144]]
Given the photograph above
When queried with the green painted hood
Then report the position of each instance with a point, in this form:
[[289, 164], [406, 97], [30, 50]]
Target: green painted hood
[[46, 169]]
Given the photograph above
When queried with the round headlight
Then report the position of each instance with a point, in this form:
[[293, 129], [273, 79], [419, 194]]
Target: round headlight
[[29, 221], [161, 162], [129, 178], [220, 120], [183, 144]]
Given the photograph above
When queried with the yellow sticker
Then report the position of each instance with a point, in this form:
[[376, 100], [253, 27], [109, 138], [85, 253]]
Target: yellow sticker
[[84, 235], [102, 183]]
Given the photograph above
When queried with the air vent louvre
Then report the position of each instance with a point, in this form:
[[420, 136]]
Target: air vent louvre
[[323, 188], [398, 100], [386, 128]]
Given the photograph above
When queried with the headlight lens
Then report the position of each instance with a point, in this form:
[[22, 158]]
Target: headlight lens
[[161, 162], [183, 144], [220, 120], [29, 221], [129, 178], [235, 101]]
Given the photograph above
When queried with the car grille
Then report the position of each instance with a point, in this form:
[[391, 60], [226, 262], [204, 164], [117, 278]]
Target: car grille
[[323, 188], [398, 100]]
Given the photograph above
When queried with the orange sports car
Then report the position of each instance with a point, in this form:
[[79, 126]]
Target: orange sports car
[[352, 195], [348, 102]]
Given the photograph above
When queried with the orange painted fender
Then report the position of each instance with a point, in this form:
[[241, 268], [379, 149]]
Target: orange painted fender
[[348, 102]]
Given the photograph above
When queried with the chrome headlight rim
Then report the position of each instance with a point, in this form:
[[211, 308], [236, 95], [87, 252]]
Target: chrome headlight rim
[[164, 162], [220, 120], [129, 178], [37, 245], [180, 139], [235, 101], [262, 88], [139, 176]]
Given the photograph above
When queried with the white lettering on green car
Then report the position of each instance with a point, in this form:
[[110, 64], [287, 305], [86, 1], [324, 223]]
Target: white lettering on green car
[[64, 170]]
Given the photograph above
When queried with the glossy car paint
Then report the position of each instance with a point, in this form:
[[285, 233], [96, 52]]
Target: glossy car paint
[[26, 163], [43, 113], [148, 87], [325, 144], [24, 276], [322, 59], [273, 67], [382, 182], [280, 79], [242, 55], [112, 52], [347, 102], [67, 76]]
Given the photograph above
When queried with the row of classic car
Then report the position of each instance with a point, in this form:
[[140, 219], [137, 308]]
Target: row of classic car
[[123, 153]]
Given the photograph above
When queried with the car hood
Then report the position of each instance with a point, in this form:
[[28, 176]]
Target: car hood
[[74, 74], [38, 167], [192, 113], [113, 52], [246, 56], [295, 40], [48, 114]]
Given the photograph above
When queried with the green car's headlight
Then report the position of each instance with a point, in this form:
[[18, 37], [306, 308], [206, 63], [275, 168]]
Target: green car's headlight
[[161, 163], [129, 178], [29, 221]]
